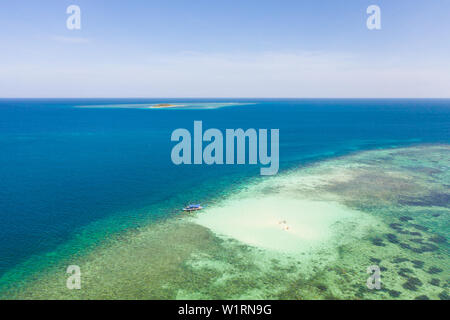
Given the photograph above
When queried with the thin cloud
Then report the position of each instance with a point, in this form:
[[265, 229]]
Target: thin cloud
[[196, 74], [71, 39]]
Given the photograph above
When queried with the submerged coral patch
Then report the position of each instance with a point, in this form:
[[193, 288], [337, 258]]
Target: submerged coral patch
[[308, 233]]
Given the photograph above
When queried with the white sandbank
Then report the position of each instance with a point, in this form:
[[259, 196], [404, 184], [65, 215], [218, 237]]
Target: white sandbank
[[284, 224]]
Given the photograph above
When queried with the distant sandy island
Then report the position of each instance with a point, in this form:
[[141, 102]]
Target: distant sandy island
[[165, 105]]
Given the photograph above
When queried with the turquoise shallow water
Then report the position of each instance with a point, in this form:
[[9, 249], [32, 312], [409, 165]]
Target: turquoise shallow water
[[72, 177]]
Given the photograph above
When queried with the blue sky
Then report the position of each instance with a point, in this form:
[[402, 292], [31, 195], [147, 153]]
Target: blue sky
[[216, 48]]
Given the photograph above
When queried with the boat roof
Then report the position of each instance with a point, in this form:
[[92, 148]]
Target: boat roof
[[193, 206]]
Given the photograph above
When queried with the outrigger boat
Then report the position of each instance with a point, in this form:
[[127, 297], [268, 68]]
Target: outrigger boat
[[193, 207]]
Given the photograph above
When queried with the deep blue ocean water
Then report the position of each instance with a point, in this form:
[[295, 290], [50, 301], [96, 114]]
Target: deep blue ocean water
[[63, 168]]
